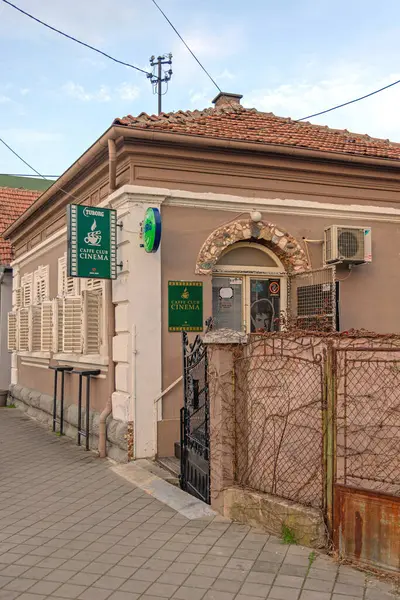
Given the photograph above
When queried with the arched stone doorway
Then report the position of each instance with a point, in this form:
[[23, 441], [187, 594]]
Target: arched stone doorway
[[285, 246]]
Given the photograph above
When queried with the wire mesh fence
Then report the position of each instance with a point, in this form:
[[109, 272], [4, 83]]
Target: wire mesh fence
[[279, 419], [368, 419]]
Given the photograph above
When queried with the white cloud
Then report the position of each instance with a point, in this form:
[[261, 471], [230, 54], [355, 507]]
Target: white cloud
[[299, 99], [77, 91], [127, 91], [4, 99], [24, 91], [225, 75]]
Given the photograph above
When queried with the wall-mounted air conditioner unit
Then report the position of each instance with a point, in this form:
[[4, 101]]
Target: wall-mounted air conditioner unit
[[348, 245]]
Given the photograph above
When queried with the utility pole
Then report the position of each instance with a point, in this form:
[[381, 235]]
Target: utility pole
[[159, 79]]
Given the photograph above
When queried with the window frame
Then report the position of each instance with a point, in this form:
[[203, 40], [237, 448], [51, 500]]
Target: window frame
[[246, 273]]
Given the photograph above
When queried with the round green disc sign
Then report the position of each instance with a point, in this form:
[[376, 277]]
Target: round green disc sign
[[152, 230]]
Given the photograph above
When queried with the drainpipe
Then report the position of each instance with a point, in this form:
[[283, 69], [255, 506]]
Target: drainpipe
[[111, 372], [112, 165]]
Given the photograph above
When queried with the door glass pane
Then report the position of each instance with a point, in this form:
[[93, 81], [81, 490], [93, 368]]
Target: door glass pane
[[227, 297], [265, 303]]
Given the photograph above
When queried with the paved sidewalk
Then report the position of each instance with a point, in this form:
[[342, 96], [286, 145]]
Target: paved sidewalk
[[72, 528]]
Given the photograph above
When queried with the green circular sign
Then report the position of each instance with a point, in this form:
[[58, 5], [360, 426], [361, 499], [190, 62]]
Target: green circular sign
[[152, 230]]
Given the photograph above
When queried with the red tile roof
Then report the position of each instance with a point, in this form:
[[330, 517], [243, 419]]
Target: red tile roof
[[249, 125], [13, 202]]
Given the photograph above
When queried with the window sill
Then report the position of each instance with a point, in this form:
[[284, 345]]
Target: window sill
[[44, 355], [82, 359]]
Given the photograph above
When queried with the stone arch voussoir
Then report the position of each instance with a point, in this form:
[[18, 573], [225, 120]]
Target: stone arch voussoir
[[285, 246]]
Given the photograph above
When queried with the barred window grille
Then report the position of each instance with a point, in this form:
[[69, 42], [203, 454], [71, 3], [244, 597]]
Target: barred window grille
[[313, 301]]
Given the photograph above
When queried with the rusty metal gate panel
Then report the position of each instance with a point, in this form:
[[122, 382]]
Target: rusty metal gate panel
[[366, 524], [367, 527]]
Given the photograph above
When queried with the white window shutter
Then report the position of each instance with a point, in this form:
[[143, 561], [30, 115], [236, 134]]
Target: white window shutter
[[46, 344], [72, 325], [57, 345], [12, 331], [23, 329], [94, 284], [41, 284], [67, 286], [26, 289], [92, 313], [35, 329], [17, 299]]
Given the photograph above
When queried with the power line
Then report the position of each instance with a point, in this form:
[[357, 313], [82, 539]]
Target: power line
[[183, 41], [28, 175], [322, 112], [70, 37], [37, 172], [350, 101]]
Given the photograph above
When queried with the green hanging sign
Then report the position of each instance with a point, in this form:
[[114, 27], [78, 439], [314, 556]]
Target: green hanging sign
[[185, 306], [92, 242], [151, 230]]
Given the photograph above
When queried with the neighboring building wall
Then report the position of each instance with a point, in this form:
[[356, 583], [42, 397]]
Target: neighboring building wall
[[5, 307]]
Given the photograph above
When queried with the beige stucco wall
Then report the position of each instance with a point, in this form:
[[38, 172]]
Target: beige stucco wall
[[369, 295], [34, 372]]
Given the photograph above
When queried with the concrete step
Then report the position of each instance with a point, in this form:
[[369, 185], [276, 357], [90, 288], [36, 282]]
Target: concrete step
[[157, 469]]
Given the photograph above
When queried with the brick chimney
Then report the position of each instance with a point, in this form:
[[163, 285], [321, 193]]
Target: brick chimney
[[226, 100]]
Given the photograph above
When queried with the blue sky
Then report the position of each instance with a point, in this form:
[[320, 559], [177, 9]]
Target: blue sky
[[292, 57]]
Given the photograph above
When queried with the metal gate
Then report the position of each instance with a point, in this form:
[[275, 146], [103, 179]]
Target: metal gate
[[367, 483], [195, 425]]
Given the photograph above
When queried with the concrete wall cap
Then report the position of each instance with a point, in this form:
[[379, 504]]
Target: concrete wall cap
[[225, 336]]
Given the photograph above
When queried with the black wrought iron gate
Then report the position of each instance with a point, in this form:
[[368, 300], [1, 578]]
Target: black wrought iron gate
[[195, 425]]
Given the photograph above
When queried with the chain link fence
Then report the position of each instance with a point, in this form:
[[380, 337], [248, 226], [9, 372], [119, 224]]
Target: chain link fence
[[279, 419], [368, 419]]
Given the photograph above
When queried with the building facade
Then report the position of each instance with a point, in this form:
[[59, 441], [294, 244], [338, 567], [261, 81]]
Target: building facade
[[245, 198]]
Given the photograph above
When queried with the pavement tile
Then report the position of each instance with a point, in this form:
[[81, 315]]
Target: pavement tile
[[283, 593], [44, 587], [172, 578], [318, 585], [189, 593], [310, 595], [259, 590], [289, 581], [349, 590], [224, 585], [165, 590], [136, 586], [124, 596], [218, 595], [69, 590], [20, 585], [92, 593], [199, 581]]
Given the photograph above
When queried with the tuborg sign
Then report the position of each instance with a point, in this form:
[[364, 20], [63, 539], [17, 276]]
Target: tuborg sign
[[91, 242]]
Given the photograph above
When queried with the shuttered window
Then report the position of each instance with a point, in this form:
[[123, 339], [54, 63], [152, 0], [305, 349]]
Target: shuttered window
[[17, 298], [67, 286], [46, 326], [92, 304], [26, 289], [35, 328], [12, 332], [41, 284], [23, 329], [72, 325]]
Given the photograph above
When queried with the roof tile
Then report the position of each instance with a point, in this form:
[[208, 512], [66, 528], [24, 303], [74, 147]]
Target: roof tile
[[13, 202], [248, 124]]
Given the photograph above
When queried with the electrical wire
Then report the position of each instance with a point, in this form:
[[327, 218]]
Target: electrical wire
[[27, 175], [187, 46], [74, 39], [323, 112], [37, 172]]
